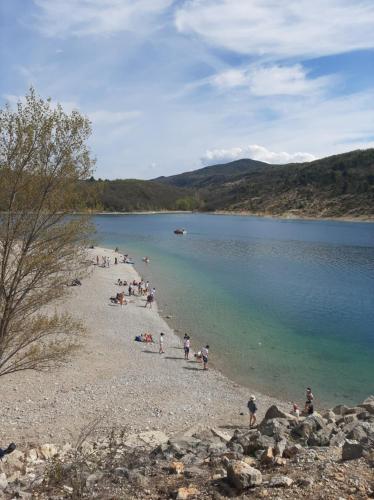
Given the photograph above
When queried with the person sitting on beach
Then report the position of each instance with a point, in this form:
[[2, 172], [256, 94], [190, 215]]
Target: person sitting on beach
[[309, 409], [309, 399], [252, 408], [148, 338], [119, 282], [204, 355], [295, 411]]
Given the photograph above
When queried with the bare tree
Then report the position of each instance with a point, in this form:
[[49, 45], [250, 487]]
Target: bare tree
[[43, 157]]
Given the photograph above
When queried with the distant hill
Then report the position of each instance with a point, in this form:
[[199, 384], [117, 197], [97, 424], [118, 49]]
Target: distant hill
[[336, 186], [214, 174]]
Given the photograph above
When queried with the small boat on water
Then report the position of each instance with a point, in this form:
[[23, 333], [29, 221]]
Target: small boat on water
[[180, 231]]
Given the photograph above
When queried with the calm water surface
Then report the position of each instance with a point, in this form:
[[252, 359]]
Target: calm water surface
[[282, 303]]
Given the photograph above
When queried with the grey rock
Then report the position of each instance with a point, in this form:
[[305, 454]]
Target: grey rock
[[280, 447], [338, 439], [340, 409], [280, 482], [3, 481], [274, 427], [242, 476], [305, 482], [292, 451], [275, 412], [352, 450]]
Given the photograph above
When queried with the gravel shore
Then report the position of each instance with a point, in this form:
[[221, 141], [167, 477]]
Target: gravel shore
[[122, 382]]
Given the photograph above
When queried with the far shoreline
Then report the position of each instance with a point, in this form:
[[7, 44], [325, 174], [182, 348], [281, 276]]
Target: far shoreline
[[283, 217]]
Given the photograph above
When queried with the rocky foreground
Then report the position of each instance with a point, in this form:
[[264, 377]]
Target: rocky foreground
[[328, 456]]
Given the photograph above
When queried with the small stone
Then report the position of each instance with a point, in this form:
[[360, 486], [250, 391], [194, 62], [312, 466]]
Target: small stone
[[177, 468], [47, 451], [267, 456], [187, 492], [3, 481], [292, 451], [280, 482]]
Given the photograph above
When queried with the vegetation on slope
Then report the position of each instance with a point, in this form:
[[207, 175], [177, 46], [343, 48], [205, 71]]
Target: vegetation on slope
[[337, 186]]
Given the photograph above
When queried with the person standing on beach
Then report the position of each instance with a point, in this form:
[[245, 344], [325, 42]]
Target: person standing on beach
[[97, 260], [130, 289], [309, 399], [161, 343], [252, 408], [186, 346], [204, 354]]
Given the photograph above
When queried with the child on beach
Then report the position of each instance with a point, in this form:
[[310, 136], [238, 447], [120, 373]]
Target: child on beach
[[186, 346], [204, 354], [161, 350], [252, 408], [295, 411]]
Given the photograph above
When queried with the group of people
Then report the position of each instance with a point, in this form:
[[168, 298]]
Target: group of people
[[146, 337], [308, 407]]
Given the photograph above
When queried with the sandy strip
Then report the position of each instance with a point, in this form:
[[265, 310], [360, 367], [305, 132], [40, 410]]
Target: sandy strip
[[125, 383]]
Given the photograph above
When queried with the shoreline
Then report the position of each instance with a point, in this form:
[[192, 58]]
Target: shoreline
[[126, 383], [285, 217]]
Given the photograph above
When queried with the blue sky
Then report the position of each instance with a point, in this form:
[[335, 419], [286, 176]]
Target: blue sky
[[175, 85]]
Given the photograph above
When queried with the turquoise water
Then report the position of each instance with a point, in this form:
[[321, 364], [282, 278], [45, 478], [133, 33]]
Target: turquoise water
[[282, 303]]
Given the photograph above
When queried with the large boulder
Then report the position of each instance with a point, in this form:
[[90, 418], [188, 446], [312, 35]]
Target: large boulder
[[242, 476], [274, 427], [320, 438], [340, 410], [352, 450], [146, 439], [275, 412]]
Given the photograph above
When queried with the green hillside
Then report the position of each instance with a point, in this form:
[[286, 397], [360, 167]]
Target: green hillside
[[133, 195], [214, 174], [336, 186]]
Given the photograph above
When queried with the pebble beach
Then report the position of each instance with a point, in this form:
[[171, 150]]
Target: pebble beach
[[116, 381]]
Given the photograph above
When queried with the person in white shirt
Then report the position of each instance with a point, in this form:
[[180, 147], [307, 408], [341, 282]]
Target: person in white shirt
[[186, 346], [161, 343]]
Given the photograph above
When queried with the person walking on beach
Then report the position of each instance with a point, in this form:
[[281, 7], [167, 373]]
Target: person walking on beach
[[186, 346], [204, 354], [252, 408], [97, 260], [161, 343], [150, 300]]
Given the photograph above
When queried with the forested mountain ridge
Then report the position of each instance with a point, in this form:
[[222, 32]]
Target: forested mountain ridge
[[337, 186]]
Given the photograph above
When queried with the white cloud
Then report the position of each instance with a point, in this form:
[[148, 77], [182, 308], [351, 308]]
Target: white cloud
[[230, 78], [282, 28], [95, 17], [253, 152], [271, 80]]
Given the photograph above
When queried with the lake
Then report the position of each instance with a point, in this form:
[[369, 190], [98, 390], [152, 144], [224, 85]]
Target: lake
[[283, 304]]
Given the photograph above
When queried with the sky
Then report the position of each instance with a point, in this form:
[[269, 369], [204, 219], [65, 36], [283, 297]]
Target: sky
[[171, 86]]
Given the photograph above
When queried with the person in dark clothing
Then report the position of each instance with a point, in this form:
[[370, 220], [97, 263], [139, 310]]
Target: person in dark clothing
[[252, 407]]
